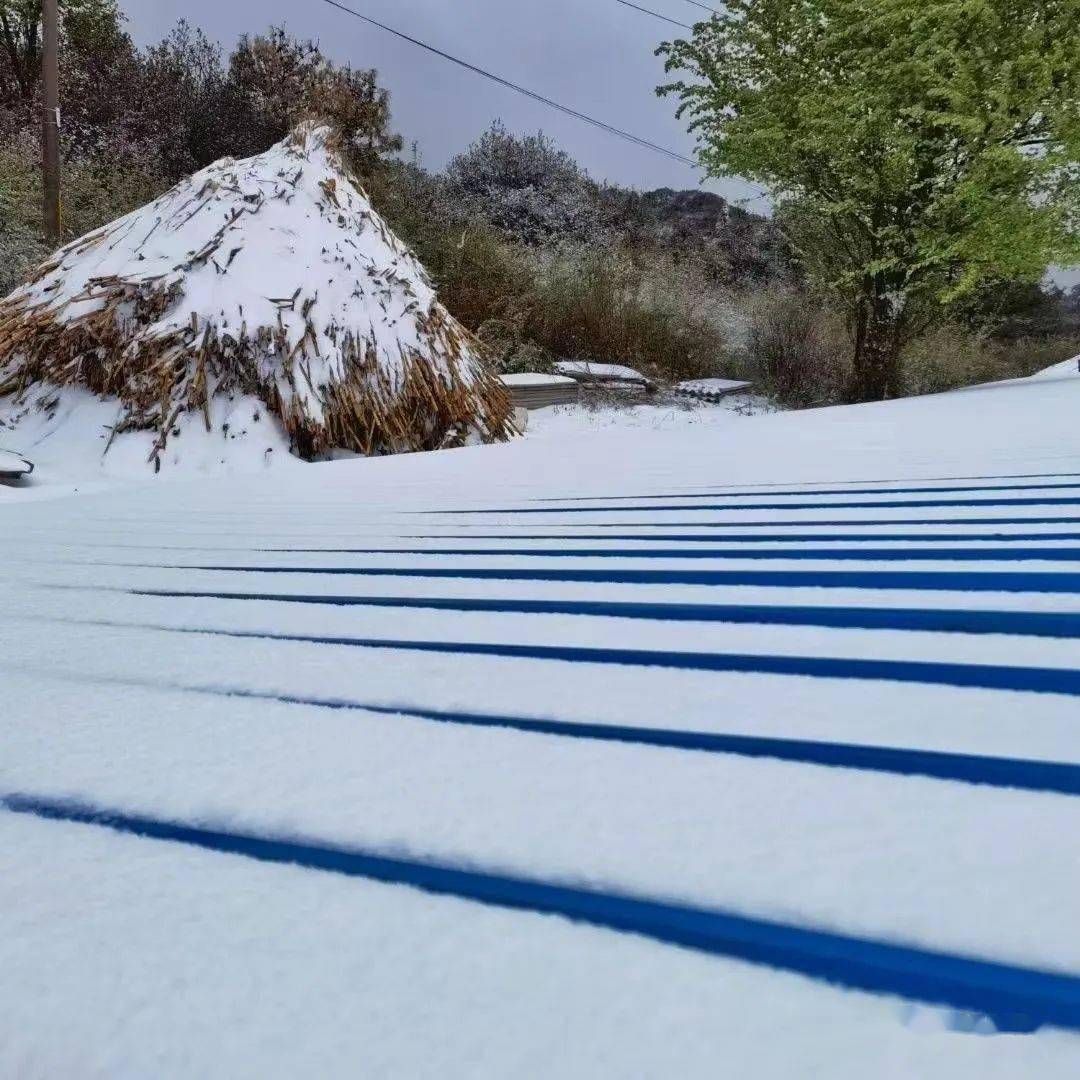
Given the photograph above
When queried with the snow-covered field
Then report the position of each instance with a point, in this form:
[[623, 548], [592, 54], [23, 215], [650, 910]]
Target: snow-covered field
[[658, 743], [575, 421]]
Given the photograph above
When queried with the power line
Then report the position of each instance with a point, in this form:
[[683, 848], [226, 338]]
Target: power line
[[654, 14], [611, 130], [704, 7]]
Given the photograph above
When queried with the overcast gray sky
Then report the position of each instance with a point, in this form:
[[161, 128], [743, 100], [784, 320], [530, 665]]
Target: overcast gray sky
[[593, 55]]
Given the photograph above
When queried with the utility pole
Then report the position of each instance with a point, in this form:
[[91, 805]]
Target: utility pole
[[50, 133]]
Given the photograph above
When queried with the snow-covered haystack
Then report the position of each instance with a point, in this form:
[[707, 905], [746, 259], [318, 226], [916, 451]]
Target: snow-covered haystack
[[270, 277]]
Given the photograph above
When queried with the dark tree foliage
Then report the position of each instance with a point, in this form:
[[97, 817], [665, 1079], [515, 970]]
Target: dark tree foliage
[[525, 186], [191, 109], [20, 50], [284, 79], [181, 103], [98, 58], [1014, 310]]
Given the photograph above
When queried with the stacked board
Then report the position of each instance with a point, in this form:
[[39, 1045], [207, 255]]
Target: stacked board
[[13, 467], [713, 389], [534, 390]]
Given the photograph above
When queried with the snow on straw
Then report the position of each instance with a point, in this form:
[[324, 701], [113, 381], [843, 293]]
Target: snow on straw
[[270, 276]]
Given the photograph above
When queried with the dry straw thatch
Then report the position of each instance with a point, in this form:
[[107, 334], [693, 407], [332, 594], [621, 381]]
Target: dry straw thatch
[[270, 276]]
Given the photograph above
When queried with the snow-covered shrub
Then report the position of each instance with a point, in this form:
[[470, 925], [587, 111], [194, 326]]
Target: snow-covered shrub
[[798, 351], [511, 350], [603, 300], [480, 273], [525, 187], [600, 301], [528, 356], [97, 188], [21, 243], [615, 306], [952, 355]]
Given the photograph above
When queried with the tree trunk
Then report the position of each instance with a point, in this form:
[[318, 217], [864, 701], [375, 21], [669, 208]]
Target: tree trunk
[[878, 336]]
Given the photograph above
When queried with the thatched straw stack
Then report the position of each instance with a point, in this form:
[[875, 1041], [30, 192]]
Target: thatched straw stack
[[272, 277]]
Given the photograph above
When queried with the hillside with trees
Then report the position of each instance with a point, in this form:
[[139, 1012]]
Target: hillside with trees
[[529, 251]]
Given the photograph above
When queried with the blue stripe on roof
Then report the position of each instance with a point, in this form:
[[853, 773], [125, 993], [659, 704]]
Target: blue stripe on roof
[[1027, 774], [952, 554], [951, 581], [752, 538], [810, 491], [1023, 773], [1022, 623], [976, 676], [743, 507], [1015, 998], [802, 523]]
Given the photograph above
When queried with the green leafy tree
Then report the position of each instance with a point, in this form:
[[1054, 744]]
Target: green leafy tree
[[917, 149]]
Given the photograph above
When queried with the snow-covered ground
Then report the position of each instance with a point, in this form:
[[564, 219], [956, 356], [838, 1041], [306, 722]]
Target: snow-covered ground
[[636, 415], [68, 445], [660, 742]]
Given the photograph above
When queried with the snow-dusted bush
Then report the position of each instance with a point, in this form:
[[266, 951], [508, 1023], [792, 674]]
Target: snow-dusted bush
[[612, 305], [21, 243], [526, 187], [953, 355], [798, 352], [98, 187], [797, 349], [533, 304]]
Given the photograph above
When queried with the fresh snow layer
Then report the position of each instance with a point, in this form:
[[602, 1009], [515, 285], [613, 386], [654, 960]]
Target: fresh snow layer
[[1057, 371], [67, 444], [246, 970], [713, 386], [126, 955], [590, 369], [12, 464], [644, 420]]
